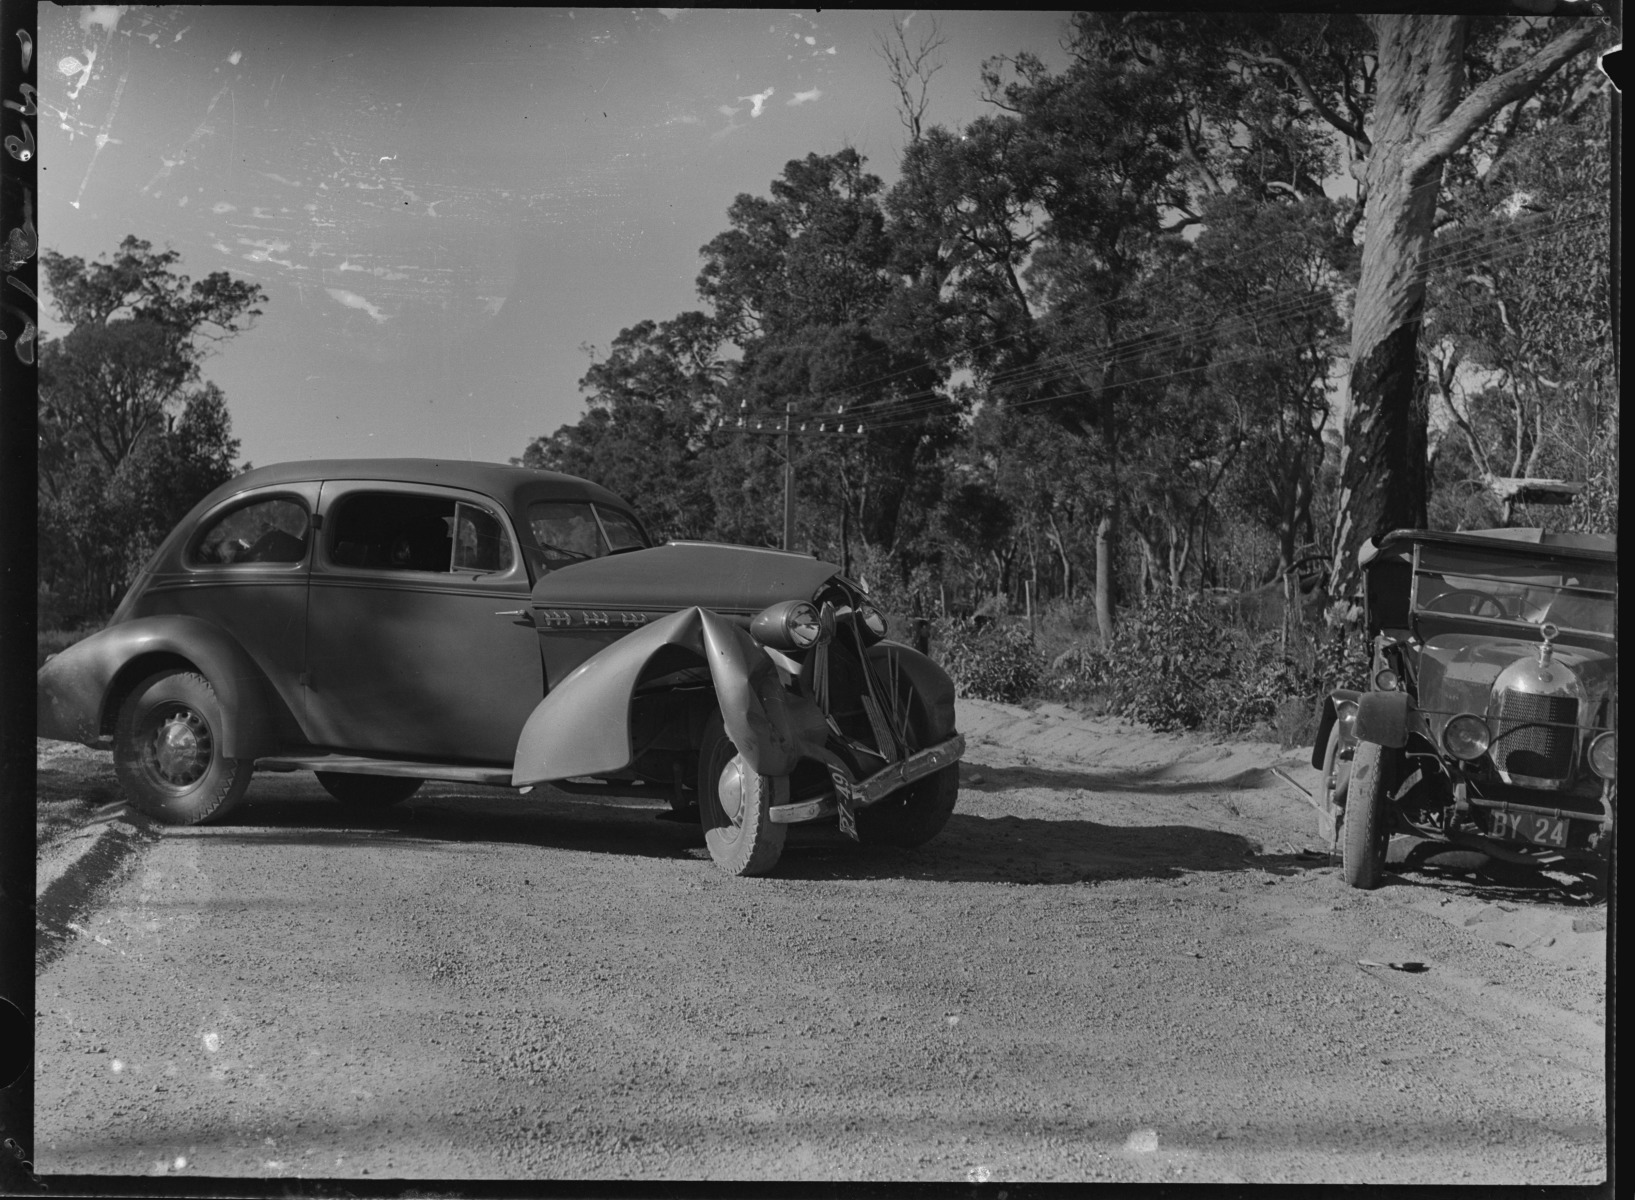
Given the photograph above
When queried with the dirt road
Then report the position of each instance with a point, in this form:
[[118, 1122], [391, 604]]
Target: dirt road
[[1119, 962]]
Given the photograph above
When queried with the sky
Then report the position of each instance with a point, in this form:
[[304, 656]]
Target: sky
[[447, 207]]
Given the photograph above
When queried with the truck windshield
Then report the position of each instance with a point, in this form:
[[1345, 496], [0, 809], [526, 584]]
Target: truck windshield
[[1537, 590]]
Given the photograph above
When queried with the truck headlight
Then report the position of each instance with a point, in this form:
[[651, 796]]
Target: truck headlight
[[1604, 755], [1467, 737]]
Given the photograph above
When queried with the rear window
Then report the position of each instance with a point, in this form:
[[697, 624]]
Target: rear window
[[264, 531], [570, 531]]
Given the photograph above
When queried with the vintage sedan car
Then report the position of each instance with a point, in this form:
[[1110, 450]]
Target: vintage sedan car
[[1490, 721], [382, 623]]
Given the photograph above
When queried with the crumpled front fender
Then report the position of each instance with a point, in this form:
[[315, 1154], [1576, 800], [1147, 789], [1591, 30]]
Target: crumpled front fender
[[1382, 718], [72, 690], [582, 727]]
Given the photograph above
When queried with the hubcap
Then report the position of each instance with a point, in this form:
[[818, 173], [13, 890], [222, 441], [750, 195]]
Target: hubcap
[[729, 789], [180, 751]]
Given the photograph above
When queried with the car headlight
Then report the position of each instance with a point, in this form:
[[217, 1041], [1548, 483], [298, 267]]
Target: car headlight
[[1345, 715], [787, 625], [1385, 680], [1467, 737], [1604, 755], [873, 619]]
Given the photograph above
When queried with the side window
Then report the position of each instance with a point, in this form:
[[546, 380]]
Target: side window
[[481, 542], [392, 531], [266, 531]]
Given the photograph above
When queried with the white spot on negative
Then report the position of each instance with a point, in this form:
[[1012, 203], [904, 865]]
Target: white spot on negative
[[980, 1173], [235, 56], [1142, 1141], [117, 1066], [69, 65], [212, 1042], [181, 1161]]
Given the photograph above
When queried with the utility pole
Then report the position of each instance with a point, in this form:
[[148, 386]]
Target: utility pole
[[787, 432], [788, 483]]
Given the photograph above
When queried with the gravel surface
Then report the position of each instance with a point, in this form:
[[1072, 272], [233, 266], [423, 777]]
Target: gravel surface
[[1126, 959]]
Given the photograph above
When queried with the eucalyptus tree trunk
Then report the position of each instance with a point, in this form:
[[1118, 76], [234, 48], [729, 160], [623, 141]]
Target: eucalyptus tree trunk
[[1104, 577], [1419, 120]]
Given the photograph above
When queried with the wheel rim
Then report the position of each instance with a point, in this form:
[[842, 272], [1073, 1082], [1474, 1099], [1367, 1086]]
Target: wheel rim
[[729, 791], [178, 750]]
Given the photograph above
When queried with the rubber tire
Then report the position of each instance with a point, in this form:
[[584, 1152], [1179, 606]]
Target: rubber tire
[[1366, 830], [913, 815], [164, 700], [753, 844], [1336, 773], [368, 791]]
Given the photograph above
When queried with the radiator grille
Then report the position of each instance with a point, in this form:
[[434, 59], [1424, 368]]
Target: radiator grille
[[1536, 735]]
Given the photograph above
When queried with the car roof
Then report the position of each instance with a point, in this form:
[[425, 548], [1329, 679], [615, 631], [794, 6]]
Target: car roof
[[510, 484], [1598, 547]]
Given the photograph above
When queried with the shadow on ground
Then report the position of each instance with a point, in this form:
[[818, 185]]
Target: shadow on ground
[[970, 849], [984, 778], [1433, 866]]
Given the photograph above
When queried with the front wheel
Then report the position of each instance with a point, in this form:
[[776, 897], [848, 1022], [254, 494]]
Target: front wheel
[[167, 751], [912, 815], [1366, 829], [735, 807], [1336, 783], [368, 791]]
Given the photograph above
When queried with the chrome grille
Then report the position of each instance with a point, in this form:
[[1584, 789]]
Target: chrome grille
[[1536, 735]]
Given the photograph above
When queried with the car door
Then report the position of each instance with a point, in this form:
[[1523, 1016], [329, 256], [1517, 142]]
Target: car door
[[419, 639]]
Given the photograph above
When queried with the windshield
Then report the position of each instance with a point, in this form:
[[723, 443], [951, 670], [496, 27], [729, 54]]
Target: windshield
[[570, 531], [1536, 590]]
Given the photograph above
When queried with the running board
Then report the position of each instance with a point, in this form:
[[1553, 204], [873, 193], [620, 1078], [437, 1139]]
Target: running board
[[360, 764]]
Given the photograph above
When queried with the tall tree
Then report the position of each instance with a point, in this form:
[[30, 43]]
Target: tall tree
[[651, 404], [128, 441], [1423, 113]]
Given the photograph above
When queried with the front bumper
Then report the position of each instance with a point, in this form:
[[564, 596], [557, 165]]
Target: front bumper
[[878, 786]]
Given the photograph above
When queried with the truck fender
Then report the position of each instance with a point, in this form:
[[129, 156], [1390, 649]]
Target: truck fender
[[582, 727], [929, 681], [73, 690], [1382, 718], [1326, 720]]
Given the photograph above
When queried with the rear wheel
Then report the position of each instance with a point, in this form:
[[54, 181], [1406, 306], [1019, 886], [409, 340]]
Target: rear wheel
[[735, 806], [368, 791], [1366, 830], [167, 751]]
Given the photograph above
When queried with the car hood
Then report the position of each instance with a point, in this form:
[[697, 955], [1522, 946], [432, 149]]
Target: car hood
[[722, 578], [1459, 669]]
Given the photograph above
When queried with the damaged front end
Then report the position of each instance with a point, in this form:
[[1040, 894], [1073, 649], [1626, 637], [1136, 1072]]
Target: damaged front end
[[810, 695]]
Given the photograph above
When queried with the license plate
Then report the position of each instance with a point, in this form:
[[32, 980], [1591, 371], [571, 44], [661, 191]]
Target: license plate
[[1530, 827]]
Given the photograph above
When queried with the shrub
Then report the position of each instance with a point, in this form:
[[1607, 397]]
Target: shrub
[[1182, 662], [993, 661], [54, 641]]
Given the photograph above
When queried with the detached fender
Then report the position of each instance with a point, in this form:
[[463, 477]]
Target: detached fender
[[582, 727], [73, 691], [1382, 718], [930, 681], [1325, 722]]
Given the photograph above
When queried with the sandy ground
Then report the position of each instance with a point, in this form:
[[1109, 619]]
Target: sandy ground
[[1127, 958]]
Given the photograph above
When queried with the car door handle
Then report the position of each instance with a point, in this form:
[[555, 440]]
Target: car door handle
[[512, 612]]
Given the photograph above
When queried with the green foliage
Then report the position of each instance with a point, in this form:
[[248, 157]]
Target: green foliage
[[129, 439], [992, 661], [1182, 661]]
